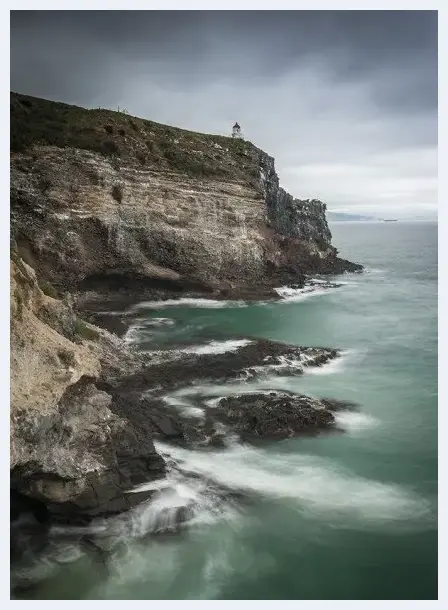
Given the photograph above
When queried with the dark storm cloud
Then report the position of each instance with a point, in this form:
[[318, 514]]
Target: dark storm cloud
[[339, 97]]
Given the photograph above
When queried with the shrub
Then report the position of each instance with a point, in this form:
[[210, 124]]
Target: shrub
[[109, 129], [141, 156], [67, 357], [48, 289], [44, 184], [117, 192], [19, 302], [84, 331], [109, 147], [239, 147]]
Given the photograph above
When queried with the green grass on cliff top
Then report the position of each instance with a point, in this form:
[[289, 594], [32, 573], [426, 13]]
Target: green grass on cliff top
[[35, 121]]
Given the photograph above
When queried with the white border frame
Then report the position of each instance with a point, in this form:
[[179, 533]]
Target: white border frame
[[443, 258]]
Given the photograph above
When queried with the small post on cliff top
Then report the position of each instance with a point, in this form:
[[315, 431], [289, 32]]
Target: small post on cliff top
[[236, 131]]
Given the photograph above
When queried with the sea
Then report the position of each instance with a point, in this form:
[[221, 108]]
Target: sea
[[333, 517]]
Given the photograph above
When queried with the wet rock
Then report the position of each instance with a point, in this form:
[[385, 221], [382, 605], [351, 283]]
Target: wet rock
[[256, 357], [277, 415], [81, 459]]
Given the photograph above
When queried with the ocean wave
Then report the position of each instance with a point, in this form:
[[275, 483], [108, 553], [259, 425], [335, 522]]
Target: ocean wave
[[337, 365], [187, 302], [354, 421], [288, 364], [135, 333], [282, 364], [374, 270], [216, 347], [312, 484], [300, 294]]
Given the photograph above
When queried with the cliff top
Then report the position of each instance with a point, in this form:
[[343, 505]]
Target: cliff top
[[111, 133]]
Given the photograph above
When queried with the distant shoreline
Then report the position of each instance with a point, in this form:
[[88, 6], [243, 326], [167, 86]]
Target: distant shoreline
[[379, 220]]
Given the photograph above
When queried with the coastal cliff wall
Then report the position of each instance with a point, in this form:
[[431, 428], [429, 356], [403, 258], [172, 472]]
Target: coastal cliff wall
[[101, 201], [105, 203], [68, 450]]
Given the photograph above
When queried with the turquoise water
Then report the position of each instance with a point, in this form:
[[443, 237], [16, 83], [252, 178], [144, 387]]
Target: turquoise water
[[349, 516]]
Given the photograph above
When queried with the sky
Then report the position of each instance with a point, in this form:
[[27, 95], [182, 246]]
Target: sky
[[346, 101]]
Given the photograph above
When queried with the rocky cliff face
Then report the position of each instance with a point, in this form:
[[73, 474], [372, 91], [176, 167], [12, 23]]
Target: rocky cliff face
[[154, 208], [303, 220], [106, 203], [68, 449]]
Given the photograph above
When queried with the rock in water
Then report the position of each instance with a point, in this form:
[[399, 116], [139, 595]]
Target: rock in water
[[276, 415]]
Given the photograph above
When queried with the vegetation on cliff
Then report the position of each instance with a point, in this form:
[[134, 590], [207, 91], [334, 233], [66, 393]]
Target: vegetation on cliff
[[132, 139]]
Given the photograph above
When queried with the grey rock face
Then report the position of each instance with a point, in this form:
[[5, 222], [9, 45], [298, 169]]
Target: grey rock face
[[166, 230], [69, 451], [290, 217]]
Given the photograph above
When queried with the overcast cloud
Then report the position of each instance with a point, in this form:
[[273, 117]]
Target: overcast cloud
[[346, 101]]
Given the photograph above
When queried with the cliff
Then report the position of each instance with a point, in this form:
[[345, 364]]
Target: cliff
[[103, 204], [106, 202], [68, 449]]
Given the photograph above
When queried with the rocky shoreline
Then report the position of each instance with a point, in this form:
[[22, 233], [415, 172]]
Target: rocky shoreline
[[138, 394], [108, 211], [136, 403], [100, 458], [96, 445]]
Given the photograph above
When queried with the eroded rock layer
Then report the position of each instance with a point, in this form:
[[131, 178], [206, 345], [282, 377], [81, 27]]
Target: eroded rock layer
[[113, 207]]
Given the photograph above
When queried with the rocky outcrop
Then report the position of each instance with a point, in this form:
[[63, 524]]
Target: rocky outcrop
[[68, 449], [301, 219], [150, 208], [249, 359], [209, 419], [276, 415]]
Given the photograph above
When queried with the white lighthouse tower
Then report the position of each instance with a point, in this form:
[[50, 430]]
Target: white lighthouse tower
[[236, 131]]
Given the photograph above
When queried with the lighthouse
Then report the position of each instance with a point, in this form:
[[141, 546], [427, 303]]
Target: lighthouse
[[236, 131]]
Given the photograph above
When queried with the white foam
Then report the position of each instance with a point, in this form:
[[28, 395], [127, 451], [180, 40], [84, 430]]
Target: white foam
[[159, 322], [313, 484], [181, 400], [282, 364], [110, 313], [331, 367], [133, 334], [346, 358], [295, 364], [300, 294], [195, 412], [353, 421], [212, 403], [174, 492], [187, 302], [216, 347]]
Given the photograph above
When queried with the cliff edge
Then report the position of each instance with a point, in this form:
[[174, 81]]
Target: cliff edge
[[105, 202]]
